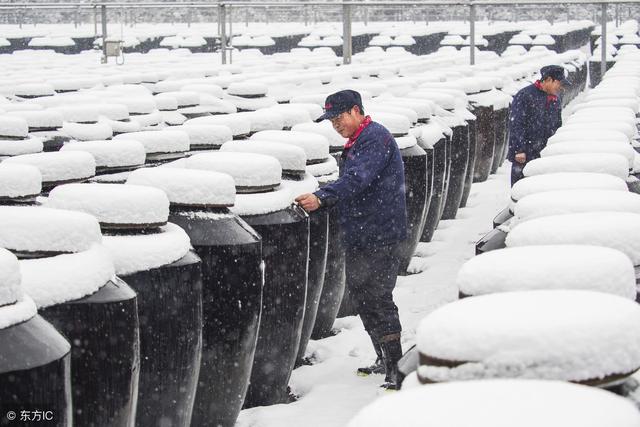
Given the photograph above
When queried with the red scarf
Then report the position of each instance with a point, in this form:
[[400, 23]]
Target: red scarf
[[354, 137], [550, 98]]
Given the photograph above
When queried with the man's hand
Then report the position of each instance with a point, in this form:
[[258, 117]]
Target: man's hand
[[309, 202], [521, 157]]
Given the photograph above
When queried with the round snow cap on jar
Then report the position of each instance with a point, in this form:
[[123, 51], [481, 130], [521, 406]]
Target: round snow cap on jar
[[617, 230], [324, 128], [589, 123], [587, 135], [188, 187], [115, 206], [13, 127], [325, 171], [292, 159], [19, 183], [30, 231], [33, 90], [397, 124], [539, 340], [248, 89], [87, 114], [264, 120], [563, 202], [40, 120], [315, 146], [566, 181], [612, 164], [111, 156], [576, 147], [252, 173], [15, 306], [548, 267], [206, 137], [160, 145], [498, 403], [239, 125], [59, 167]]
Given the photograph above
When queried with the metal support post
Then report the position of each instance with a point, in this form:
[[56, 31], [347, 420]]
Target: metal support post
[[246, 17], [223, 31], [230, 38], [603, 45], [617, 9], [103, 9], [366, 16], [346, 34], [472, 34]]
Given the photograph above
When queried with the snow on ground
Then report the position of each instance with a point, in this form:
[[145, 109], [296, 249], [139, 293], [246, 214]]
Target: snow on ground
[[330, 391]]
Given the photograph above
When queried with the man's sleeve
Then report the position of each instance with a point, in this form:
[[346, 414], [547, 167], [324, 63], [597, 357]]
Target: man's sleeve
[[368, 163], [517, 121]]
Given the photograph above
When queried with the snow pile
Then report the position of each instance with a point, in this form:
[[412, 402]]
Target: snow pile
[[548, 267], [40, 120], [13, 127], [87, 132], [324, 128], [113, 205], [110, 154], [566, 181], [34, 90], [188, 187], [85, 113], [264, 203], [59, 166], [19, 181], [612, 164], [315, 146], [239, 125], [617, 230], [294, 114], [429, 135], [159, 141], [328, 167], [563, 135], [135, 253], [622, 148], [564, 202], [500, 403], [38, 229], [397, 124], [16, 148], [264, 120], [249, 170], [206, 136], [67, 277], [292, 159], [10, 288], [528, 334]]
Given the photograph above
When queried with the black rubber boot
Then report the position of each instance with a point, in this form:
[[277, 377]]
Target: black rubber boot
[[391, 355], [377, 367]]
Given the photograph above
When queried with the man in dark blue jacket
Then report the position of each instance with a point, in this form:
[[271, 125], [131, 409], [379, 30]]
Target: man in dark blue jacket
[[370, 197], [534, 117]]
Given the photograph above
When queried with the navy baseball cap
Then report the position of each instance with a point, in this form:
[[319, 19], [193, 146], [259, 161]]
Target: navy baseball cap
[[339, 102], [556, 72]]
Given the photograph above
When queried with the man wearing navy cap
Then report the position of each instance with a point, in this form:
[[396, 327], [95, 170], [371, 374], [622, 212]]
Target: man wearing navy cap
[[536, 114], [370, 197]]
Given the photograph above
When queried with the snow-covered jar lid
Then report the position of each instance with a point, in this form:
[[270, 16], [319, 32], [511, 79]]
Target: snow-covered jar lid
[[203, 137], [266, 119], [157, 143], [84, 113], [315, 146], [66, 277], [566, 181], [292, 159], [617, 230], [188, 187], [595, 123], [294, 114], [184, 98], [114, 155], [549, 267], [29, 231], [239, 125], [429, 135], [539, 340], [87, 131], [16, 147], [166, 102], [15, 306], [248, 89], [324, 128], [251, 172], [612, 164], [500, 403], [562, 202], [564, 135], [115, 206], [397, 124], [12, 127], [59, 167], [574, 147], [19, 183], [40, 120], [33, 90]]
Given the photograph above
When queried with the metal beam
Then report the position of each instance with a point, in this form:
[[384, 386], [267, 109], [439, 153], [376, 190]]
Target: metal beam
[[347, 42], [104, 31], [603, 44], [472, 34]]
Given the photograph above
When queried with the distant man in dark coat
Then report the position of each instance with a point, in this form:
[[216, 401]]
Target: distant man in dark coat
[[536, 114], [370, 198]]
